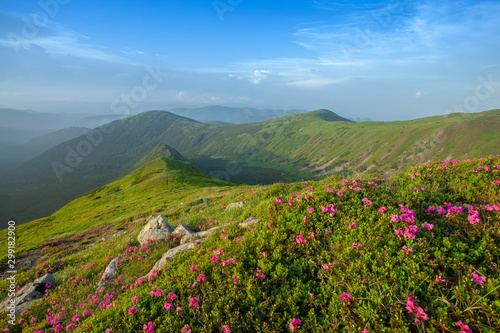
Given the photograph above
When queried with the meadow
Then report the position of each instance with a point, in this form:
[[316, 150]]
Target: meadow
[[416, 252]]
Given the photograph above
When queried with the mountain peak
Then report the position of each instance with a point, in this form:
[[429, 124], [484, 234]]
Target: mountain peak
[[328, 115]]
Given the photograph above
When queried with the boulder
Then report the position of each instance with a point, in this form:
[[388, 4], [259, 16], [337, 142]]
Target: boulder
[[110, 271], [183, 230], [240, 204], [174, 252], [252, 220], [157, 228], [30, 293]]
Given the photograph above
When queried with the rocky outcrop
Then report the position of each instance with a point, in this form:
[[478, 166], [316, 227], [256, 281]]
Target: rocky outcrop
[[157, 228], [29, 294], [252, 220]]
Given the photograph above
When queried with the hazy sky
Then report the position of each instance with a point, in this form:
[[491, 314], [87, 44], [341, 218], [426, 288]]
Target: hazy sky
[[383, 60]]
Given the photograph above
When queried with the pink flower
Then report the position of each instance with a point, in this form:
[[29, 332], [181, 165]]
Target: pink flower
[[412, 308], [295, 324], [186, 329], [135, 299], [75, 318], [327, 266], [439, 279], [305, 218], [235, 279], [226, 329], [263, 254], [313, 234], [193, 302], [394, 218], [148, 328], [355, 245], [171, 296], [58, 328], [259, 274], [352, 225], [178, 309], [201, 278], [399, 233], [407, 249], [346, 297], [464, 328], [300, 239], [168, 306], [479, 280], [70, 327], [194, 268], [427, 226], [214, 259], [365, 331], [133, 310], [382, 209], [311, 210]]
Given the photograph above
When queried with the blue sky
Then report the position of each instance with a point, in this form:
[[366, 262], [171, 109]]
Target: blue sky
[[391, 60]]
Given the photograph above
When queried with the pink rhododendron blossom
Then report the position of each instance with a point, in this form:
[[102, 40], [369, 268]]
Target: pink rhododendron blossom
[[479, 280], [193, 302], [352, 225], [148, 328], [407, 249], [300, 239], [295, 324], [439, 278], [412, 308], [171, 296], [346, 297], [133, 310], [427, 226], [464, 328]]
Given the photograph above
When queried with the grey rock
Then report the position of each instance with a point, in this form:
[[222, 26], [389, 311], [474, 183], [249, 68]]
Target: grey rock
[[240, 204], [110, 270], [174, 252], [252, 220], [30, 293], [157, 228]]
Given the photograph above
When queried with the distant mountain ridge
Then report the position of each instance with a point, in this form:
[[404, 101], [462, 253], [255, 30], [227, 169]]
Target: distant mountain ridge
[[232, 115], [292, 147], [17, 154]]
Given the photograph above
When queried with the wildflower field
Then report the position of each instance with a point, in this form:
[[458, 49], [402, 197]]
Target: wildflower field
[[418, 252]]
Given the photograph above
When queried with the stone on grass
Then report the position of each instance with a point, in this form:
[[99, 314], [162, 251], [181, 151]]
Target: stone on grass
[[156, 229]]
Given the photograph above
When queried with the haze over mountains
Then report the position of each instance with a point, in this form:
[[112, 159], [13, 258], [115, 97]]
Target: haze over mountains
[[288, 148]]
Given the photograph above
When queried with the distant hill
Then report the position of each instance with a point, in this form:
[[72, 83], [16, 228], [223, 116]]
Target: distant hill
[[231, 115], [17, 154], [11, 136], [29, 119], [292, 147]]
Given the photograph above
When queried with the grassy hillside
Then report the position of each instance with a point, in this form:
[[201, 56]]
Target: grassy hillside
[[290, 148], [413, 253]]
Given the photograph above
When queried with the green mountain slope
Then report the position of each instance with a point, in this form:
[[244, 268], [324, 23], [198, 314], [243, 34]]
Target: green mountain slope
[[413, 253], [293, 147]]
